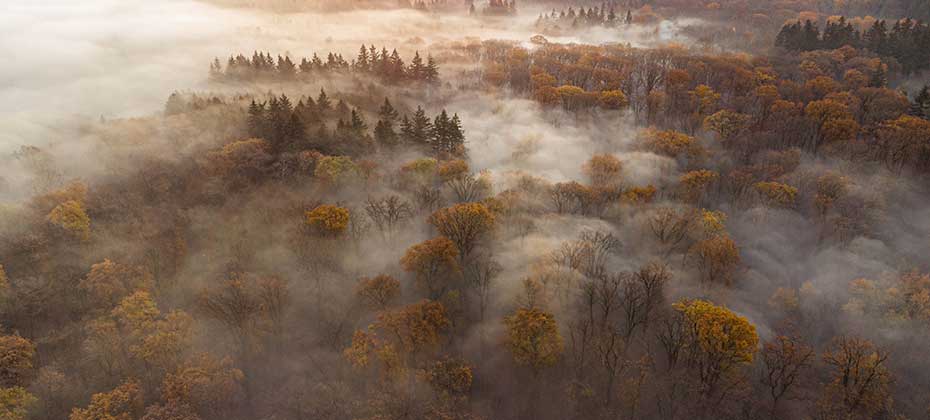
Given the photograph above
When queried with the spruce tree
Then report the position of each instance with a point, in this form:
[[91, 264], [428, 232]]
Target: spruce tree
[[286, 68], [323, 103], [406, 129], [256, 119], [417, 71], [921, 106], [421, 128], [431, 72], [362, 63]]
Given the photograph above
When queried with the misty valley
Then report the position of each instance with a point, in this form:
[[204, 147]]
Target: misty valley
[[465, 210]]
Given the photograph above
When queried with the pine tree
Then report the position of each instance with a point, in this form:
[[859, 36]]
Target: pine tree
[[446, 135], [317, 63], [457, 135], [629, 17], [396, 68], [439, 135], [810, 36], [342, 109], [417, 70], [387, 112], [921, 105], [256, 119], [356, 122], [362, 63], [406, 130], [286, 67], [323, 103], [431, 72]]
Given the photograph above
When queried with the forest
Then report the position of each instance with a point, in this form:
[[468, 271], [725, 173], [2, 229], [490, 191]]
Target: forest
[[545, 210]]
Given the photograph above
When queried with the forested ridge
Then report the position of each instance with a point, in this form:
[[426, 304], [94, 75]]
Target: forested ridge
[[490, 229]]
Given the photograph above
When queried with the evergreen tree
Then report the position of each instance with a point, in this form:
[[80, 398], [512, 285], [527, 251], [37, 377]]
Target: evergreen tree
[[362, 64], [406, 130], [629, 17], [446, 134], [431, 72], [286, 67], [256, 119], [421, 128], [342, 109], [395, 68], [317, 63], [920, 107], [417, 71], [810, 36], [323, 103]]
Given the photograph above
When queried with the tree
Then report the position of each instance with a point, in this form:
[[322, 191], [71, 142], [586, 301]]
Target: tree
[[108, 282], [920, 107], [784, 359], [716, 257], [904, 141], [717, 341], [384, 128], [727, 124], [612, 99], [337, 170], [533, 338], [400, 336], [122, 403], [72, 219], [446, 135], [777, 194], [671, 143], [860, 378], [433, 263], [236, 304], [464, 224], [17, 355], [695, 184], [15, 403], [210, 387], [379, 291], [431, 72], [603, 170], [388, 213], [328, 220], [417, 130]]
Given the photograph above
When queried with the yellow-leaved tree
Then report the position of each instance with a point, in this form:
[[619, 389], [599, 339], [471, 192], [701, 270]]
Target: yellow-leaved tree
[[533, 338], [464, 224], [328, 220], [715, 342], [71, 218]]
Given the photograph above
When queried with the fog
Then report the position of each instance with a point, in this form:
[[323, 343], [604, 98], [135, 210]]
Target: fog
[[119, 58], [85, 79]]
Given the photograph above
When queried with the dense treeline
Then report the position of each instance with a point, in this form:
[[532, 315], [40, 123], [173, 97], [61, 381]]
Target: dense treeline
[[907, 41], [289, 127], [603, 15], [388, 67]]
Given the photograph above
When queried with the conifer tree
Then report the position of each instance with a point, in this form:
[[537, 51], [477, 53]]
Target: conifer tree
[[256, 119], [421, 128], [362, 63], [431, 72], [323, 103], [417, 71]]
